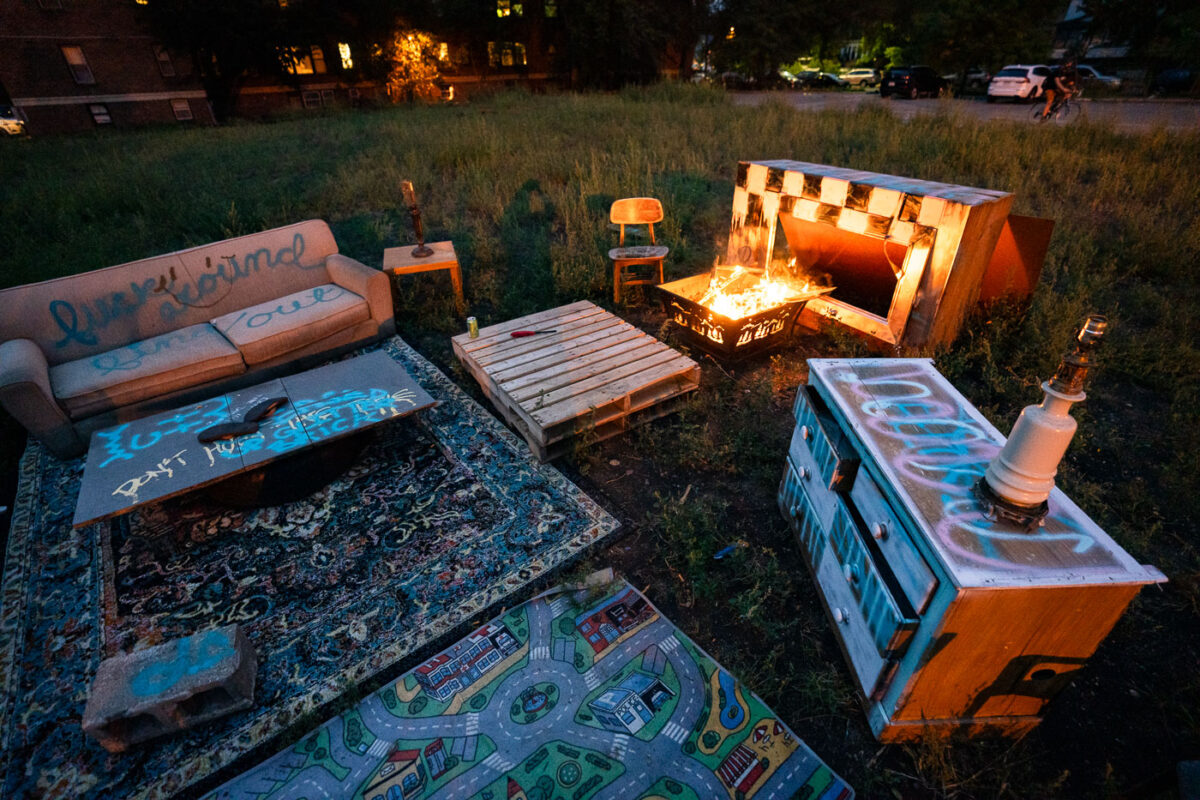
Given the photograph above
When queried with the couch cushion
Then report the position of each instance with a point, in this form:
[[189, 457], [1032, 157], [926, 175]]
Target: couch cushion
[[272, 329], [186, 357]]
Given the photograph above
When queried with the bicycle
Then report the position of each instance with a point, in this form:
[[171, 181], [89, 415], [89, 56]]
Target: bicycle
[[1063, 110]]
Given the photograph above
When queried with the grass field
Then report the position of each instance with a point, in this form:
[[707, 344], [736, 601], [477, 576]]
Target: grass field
[[522, 185]]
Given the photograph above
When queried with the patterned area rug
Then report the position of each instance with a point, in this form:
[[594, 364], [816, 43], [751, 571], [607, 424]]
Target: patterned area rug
[[585, 694], [440, 518]]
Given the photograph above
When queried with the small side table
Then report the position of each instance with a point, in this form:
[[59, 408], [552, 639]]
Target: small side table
[[400, 261]]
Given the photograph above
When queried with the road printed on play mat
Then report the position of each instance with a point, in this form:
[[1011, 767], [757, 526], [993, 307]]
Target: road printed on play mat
[[578, 695]]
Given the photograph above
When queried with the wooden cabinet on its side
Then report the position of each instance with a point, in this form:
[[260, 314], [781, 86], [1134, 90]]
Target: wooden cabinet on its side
[[946, 617]]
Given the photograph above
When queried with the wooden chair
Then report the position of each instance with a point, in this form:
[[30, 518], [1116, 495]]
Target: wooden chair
[[636, 211]]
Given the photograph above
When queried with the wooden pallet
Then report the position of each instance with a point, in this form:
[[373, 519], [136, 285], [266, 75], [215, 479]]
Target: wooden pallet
[[596, 375]]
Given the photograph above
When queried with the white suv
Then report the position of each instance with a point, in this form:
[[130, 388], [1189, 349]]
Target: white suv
[[1018, 82], [860, 77]]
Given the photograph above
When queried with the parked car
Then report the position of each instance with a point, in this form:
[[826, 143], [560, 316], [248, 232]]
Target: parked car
[[977, 78], [911, 82], [10, 123], [1018, 82], [861, 76], [1175, 81], [1092, 77], [811, 79]]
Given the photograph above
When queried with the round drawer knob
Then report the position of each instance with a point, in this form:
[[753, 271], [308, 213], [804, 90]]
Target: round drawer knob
[[850, 573], [804, 473], [805, 433], [879, 531]]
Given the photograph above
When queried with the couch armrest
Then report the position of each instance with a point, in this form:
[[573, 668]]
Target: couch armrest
[[370, 283], [26, 394]]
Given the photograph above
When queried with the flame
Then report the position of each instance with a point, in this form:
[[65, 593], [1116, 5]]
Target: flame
[[729, 296]]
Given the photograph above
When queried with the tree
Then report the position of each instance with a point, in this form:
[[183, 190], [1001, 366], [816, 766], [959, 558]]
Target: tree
[[230, 40], [958, 34], [226, 39], [414, 67], [1161, 32], [612, 43]]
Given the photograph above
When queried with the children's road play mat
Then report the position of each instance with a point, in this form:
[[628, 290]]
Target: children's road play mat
[[443, 515], [587, 695]]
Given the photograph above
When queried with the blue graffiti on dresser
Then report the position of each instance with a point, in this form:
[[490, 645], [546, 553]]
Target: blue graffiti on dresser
[[83, 323], [938, 451]]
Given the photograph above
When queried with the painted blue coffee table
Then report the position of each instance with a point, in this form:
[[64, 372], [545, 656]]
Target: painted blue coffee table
[[158, 457]]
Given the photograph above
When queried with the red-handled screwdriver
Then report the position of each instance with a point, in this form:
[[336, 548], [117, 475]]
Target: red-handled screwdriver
[[519, 334]]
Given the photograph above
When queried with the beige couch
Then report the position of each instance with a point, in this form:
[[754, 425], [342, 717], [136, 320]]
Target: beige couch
[[87, 351]]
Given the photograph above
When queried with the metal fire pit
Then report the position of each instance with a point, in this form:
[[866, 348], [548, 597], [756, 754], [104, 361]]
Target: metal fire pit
[[728, 339]]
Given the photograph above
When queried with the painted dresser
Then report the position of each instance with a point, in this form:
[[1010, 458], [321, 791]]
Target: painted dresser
[[945, 617]]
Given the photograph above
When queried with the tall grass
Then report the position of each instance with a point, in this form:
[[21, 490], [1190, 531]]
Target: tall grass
[[522, 185]]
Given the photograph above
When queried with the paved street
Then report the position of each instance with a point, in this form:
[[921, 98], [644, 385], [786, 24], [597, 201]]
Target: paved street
[[1123, 115]]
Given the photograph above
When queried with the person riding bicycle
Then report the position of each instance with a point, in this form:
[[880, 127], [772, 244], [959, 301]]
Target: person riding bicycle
[[1062, 83]]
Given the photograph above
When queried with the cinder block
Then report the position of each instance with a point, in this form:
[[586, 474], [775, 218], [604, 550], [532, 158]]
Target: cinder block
[[170, 687]]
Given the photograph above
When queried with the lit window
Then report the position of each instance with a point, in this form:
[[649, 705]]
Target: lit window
[[443, 52], [142, 2], [732, 33], [297, 63], [344, 54], [78, 65], [518, 9], [503, 8], [165, 67], [550, 7], [318, 59], [100, 114], [506, 54], [181, 110]]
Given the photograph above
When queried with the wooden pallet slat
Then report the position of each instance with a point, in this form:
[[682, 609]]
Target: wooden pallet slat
[[555, 376], [597, 375], [514, 348], [577, 348]]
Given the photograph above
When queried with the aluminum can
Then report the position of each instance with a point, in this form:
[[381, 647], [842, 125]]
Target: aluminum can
[[473, 327]]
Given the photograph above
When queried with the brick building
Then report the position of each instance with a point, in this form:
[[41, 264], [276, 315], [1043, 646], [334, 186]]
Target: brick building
[[73, 65]]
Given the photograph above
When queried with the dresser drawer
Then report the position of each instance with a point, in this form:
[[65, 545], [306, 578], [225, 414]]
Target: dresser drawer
[[912, 573], [850, 626], [820, 497], [836, 461], [802, 518], [890, 626]]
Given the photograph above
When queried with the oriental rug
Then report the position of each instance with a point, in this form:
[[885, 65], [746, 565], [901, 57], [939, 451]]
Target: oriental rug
[[588, 695], [439, 519]]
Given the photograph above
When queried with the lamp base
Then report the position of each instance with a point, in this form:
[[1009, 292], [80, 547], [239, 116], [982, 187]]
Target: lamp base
[[1029, 518], [422, 251]]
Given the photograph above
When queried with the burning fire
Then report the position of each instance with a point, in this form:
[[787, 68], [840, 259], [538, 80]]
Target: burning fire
[[733, 293]]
